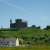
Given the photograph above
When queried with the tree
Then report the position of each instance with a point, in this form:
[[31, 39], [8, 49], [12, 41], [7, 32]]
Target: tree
[[47, 27], [38, 27], [33, 26]]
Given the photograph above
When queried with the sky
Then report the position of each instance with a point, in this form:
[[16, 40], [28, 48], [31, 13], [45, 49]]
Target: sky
[[35, 12]]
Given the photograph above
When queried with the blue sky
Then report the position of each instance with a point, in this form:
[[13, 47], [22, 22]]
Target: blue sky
[[35, 12]]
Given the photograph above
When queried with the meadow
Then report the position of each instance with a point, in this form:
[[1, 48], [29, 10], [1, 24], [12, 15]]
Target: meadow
[[38, 38], [28, 48]]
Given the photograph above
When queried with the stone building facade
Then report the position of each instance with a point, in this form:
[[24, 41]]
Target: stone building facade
[[18, 24], [8, 42]]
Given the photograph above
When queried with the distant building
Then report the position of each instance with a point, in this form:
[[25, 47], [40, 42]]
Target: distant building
[[8, 42], [18, 24]]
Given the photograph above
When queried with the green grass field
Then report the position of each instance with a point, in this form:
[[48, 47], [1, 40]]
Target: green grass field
[[33, 48], [29, 32]]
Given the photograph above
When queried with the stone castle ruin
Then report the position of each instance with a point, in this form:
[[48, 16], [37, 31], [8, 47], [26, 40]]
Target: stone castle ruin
[[18, 24]]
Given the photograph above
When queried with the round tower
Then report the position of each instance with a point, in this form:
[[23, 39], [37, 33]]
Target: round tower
[[10, 21]]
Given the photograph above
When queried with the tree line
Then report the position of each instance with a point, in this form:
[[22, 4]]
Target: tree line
[[39, 27]]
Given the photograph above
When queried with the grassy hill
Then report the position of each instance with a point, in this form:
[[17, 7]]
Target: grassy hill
[[29, 35], [29, 32]]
